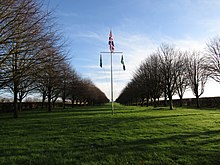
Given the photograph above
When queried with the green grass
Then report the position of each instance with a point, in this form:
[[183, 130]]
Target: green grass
[[91, 135]]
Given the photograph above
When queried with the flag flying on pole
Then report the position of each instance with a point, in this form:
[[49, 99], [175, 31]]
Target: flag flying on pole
[[100, 61], [111, 43], [122, 62]]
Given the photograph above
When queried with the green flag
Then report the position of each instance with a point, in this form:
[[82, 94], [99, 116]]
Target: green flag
[[123, 67], [122, 62], [100, 61]]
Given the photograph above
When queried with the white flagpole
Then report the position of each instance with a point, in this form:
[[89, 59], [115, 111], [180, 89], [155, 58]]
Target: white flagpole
[[111, 52], [112, 99], [112, 87]]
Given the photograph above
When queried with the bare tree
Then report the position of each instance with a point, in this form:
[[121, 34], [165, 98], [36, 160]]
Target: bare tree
[[22, 36], [171, 67], [127, 95], [182, 80], [150, 78], [146, 83], [73, 86], [65, 74], [156, 77], [140, 83], [196, 73], [48, 75], [212, 59]]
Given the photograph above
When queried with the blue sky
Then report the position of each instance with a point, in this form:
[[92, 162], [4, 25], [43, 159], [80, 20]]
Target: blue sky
[[138, 26]]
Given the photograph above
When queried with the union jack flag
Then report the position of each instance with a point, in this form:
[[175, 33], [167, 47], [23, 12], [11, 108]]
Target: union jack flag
[[111, 43]]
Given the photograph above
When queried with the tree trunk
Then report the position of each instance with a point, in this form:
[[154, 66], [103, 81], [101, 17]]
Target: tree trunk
[[181, 101], [15, 104], [197, 95], [53, 103], [142, 101], [20, 105], [197, 101], [147, 101], [16, 83], [180, 94], [155, 102], [43, 99], [64, 100], [49, 99], [165, 96], [170, 101], [72, 100], [64, 97]]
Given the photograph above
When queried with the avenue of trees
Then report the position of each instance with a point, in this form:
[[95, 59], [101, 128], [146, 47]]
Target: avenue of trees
[[33, 58], [169, 71]]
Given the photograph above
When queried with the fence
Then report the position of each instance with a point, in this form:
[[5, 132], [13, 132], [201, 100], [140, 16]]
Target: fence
[[205, 102], [8, 106]]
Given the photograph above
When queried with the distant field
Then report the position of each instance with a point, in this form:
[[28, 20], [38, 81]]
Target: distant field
[[91, 135]]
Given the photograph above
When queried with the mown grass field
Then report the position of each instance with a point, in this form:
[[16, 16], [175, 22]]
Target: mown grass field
[[91, 135]]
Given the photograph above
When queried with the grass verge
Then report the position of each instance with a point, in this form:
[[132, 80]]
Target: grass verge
[[91, 135]]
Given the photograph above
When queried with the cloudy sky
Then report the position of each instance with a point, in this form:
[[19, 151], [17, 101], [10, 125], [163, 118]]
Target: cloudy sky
[[139, 27]]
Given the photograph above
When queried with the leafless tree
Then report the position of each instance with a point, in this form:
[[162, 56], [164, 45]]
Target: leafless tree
[[182, 82], [66, 75], [22, 34], [127, 96], [140, 83], [212, 59], [49, 76], [171, 67], [146, 83], [156, 77], [84, 92], [196, 73], [73, 86], [32, 54]]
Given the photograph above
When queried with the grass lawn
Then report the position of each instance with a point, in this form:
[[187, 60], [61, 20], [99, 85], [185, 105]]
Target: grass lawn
[[91, 135]]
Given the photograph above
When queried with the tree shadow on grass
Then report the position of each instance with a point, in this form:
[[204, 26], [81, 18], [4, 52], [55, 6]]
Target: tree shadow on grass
[[174, 147]]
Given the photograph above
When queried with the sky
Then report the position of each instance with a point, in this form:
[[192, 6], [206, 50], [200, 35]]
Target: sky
[[139, 27]]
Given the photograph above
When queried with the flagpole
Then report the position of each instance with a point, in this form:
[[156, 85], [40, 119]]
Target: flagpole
[[112, 87], [112, 47]]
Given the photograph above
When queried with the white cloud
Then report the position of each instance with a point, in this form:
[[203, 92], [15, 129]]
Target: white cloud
[[88, 34], [187, 43]]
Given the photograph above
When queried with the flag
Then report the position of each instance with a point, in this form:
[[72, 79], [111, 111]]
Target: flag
[[100, 61], [122, 62], [111, 43], [123, 67]]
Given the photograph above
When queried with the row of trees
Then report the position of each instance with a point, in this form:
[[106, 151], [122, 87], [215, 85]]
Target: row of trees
[[33, 57], [169, 71]]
